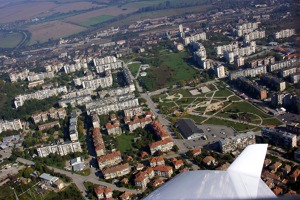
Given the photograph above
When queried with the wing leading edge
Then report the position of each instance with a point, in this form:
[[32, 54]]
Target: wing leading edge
[[241, 180]]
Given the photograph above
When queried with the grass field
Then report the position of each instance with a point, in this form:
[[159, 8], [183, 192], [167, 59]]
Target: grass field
[[237, 126], [96, 20], [124, 142], [134, 68], [10, 40], [172, 69]]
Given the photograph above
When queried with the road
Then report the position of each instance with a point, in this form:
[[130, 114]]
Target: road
[[79, 179]]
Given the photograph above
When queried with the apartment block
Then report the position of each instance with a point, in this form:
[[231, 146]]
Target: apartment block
[[98, 142], [279, 137], [14, 77], [10, 125], [293, 127], [41, 94], [196, 37], [162, 145], [135, 111], [40, 76], [254, 35], [114, 128], [273, 82], [53, 113], [219, 71], [262, 62], [233, 143], [104, 106], [286, 72], [251, 88], [284, 33], [73, 127], [138, 123], [128, 79], [295, 78], [108, 67], [109, 159], [116, 171], [283, 64], [48, 125], [102, 82], [70, 68], [248, 72], [114, 92], [61, 149]]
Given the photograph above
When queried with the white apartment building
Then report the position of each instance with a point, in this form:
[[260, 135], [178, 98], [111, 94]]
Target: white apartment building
[[41, 94], [114, 92], [254, 35], [219, 71], [80, 64], [283, 64], [41, 76], [284, 33], [10, 125], [73, 127], [196, 37], [246, 28], [105, 60], [14, 77], [109, 66], [286, 72], [61, 149], [248, 72], [103, 82], [78, 81]]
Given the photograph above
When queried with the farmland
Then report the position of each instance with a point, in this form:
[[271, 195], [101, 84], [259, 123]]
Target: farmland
[[54, 29], [96, 20], [9, 40]]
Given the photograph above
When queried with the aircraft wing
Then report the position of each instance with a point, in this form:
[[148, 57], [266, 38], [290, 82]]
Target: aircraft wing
[[240, 181]]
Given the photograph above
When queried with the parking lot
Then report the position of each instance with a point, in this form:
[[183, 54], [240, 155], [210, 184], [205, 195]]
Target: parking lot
[[213, 133]]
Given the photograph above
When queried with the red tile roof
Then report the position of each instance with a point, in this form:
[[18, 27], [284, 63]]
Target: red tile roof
[[162, 168], [159, 143], [109, 156], [115, 168]]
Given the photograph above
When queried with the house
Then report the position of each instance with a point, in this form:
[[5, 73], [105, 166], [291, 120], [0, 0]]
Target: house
[[109, 159], [287, 169], [209, 160], [159, 130], [196, 152], [125, 196], [77, 164], [277, 191], [177, 163], [274, 167], [156, 161], [113, 117], [144, 177], [270, 183], [184, 170], [48, 125], [158, 182], [116, 171], [163, 170], [188, 129], [103, 193], [294, 176], [144, 154], [52, 180], [223, 167], [139, 167], [113, 129], [267, 162]]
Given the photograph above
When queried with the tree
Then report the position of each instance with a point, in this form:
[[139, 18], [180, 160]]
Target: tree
[[175, 148], [182, 83]]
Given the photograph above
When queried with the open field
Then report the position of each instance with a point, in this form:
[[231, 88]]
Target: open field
[[96, 20], [134, 68], [159, 13], [172, 69], [30, 10], [54, 29], [10, 40]]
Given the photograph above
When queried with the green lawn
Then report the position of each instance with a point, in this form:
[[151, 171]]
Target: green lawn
[[170, 71], [10, 40], [272, 121], [197, 119], [124, 142], [96, 20], [134, 68], [223, 93], [246, 107], [237, 126]]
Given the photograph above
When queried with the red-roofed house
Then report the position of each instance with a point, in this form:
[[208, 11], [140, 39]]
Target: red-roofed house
[[277, 191], [156, 161], [158, 182], [113, 129], [164, 171], [209, 160], [116, 171], [294, 176], [144, 177], [196, 152], [125, 196], [274, 167], [177, 163], [103, 193]]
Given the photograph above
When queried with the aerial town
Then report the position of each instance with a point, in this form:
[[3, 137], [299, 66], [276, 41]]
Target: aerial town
[[118, 112]]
